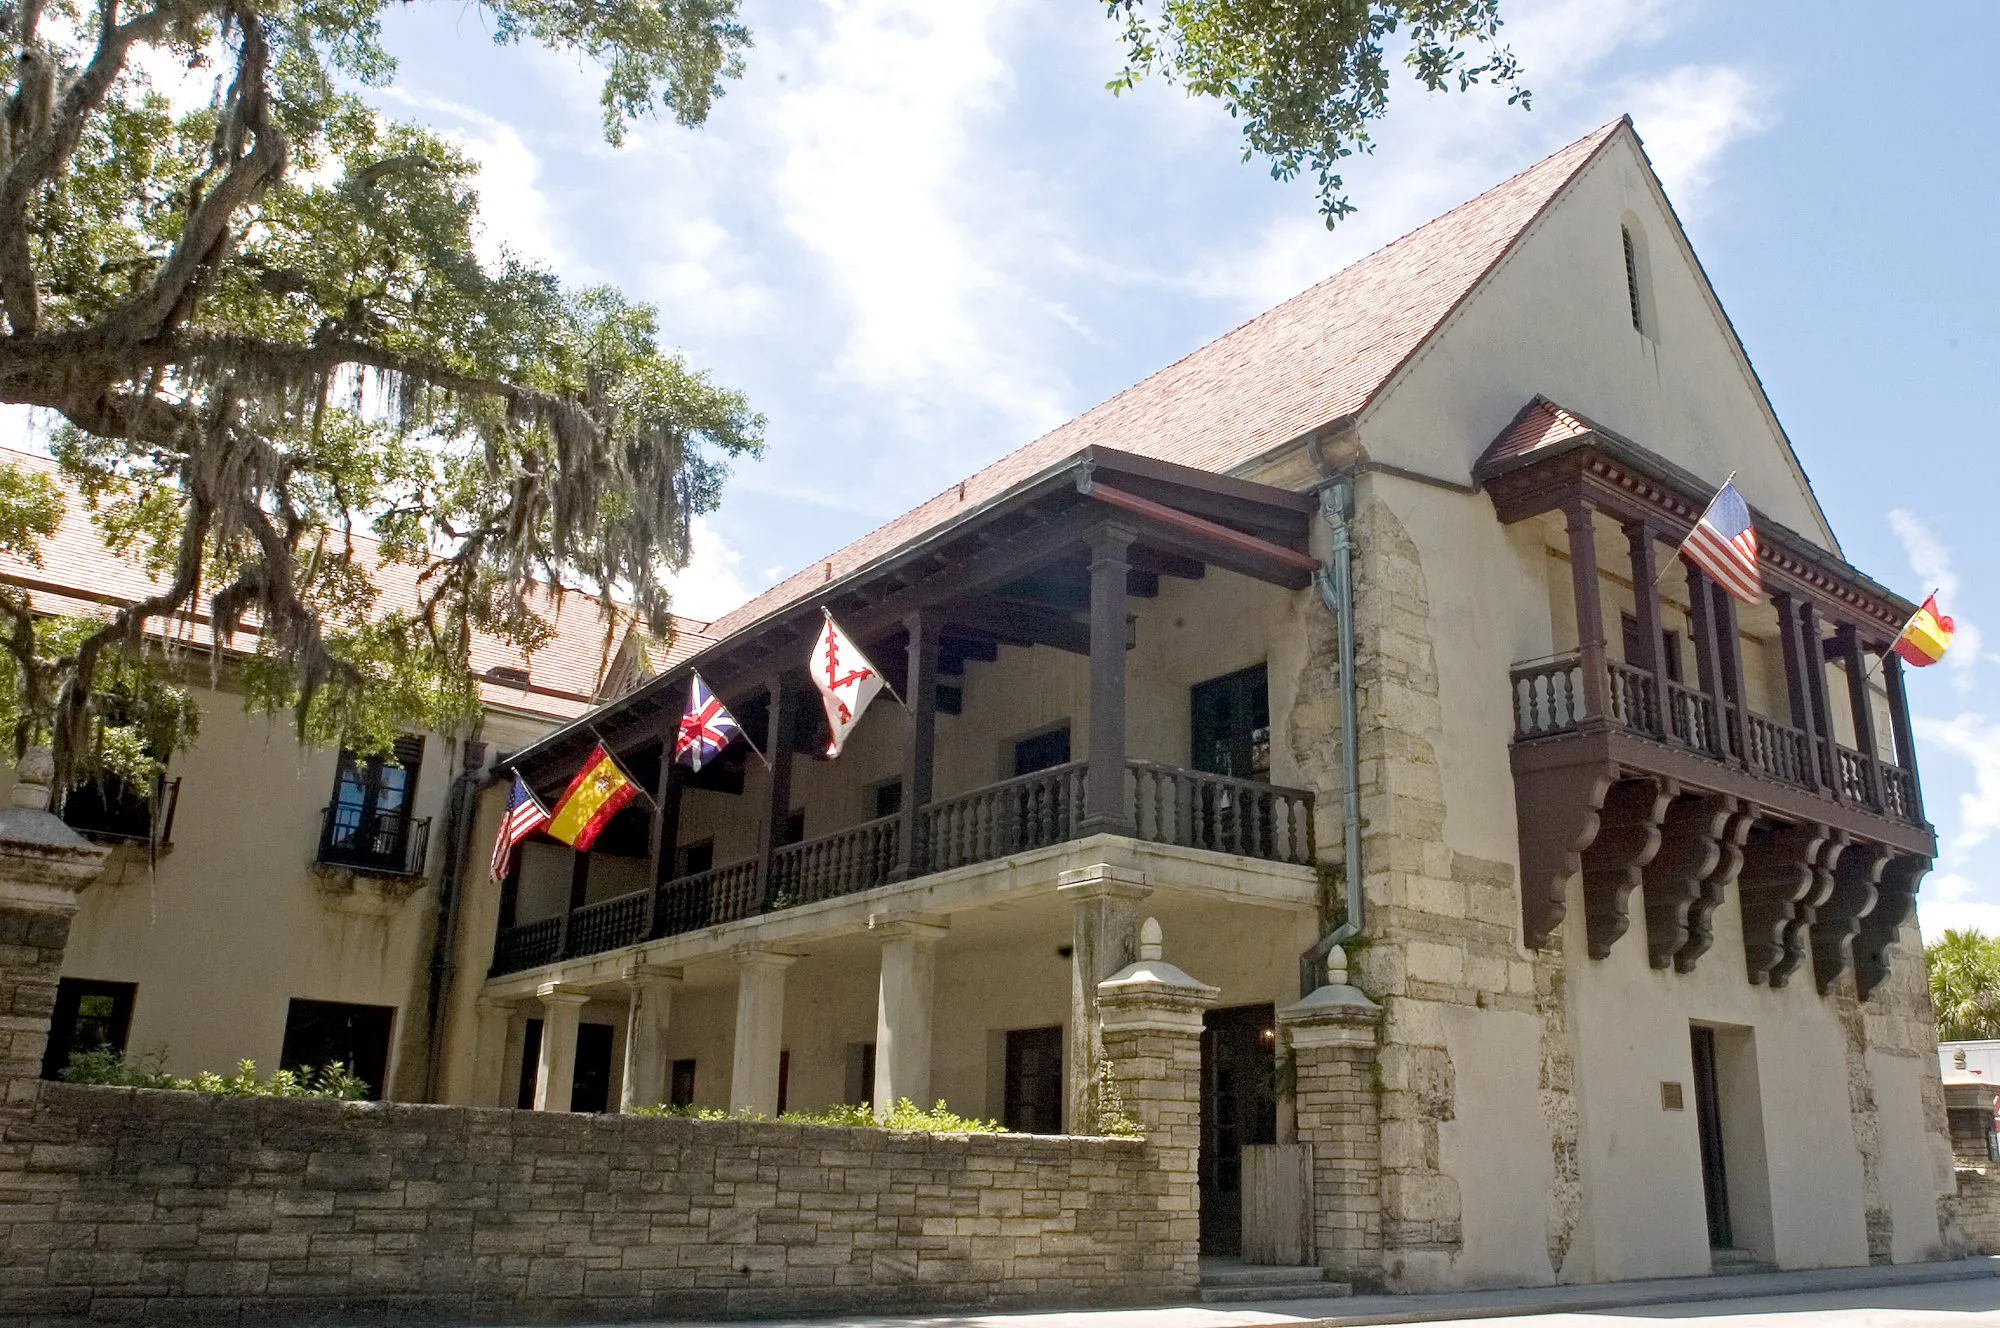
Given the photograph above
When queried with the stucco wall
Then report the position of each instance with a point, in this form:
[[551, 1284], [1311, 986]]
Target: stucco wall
[[160, 1207]]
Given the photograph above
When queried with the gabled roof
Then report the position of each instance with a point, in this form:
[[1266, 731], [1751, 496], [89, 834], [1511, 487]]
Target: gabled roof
[[1319, 356], [79, 576]]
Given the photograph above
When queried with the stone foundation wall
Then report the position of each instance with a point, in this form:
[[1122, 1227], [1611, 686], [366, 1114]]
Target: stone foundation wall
[[174, 1207], [1979, 1210]]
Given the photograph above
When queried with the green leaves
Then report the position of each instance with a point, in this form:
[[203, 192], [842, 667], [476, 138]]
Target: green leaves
[[1964, 972], [1306, 77]]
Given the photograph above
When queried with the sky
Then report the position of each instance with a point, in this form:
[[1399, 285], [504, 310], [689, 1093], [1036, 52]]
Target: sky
[[919, 233]]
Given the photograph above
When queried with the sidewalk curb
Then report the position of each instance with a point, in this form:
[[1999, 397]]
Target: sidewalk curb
[[1364, 1310]]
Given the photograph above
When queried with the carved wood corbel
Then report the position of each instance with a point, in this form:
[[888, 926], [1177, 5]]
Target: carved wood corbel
[[1690, 850], [1628, 836], [1778, 863], [1556, 811], [1839, 920], [1805, 910], [1715, 886], [1895, 897]]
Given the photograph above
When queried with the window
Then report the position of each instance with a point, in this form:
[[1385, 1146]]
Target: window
[[1632, 279], [109, 806], [680, 1086], [1670, 646], [531, 1064], [860, 1077], [696, 858], [888, 798], [590, 1083], [368, 824], [784, 1079], [1638, 279], [1229, 723], [1042, 751], [322, 1033], [794, 831], [1032, 1100], [89, 1016]]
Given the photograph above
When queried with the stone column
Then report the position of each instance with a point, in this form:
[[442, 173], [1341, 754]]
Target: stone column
[[43, 864], [491, 1020], [1332, 1036], [562, 1007], [644, 1080], [760, 1029], [1152, 1015], [903, 1010], [1104, 938]]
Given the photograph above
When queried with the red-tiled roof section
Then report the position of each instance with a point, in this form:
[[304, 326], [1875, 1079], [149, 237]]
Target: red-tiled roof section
[[1541, 423], [1318, 356], [78, 575]]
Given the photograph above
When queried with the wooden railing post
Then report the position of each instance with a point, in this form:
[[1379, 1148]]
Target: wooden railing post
[[1646, 605], [1589, 610], [1812, 652], [1105, 808], [1854, 663], [920, 748], [579, 890], [1798, 685], [664, 842]]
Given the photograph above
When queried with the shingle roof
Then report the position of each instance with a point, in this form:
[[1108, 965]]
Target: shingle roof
[[78, 575], [1541, 423], [1318, 356]]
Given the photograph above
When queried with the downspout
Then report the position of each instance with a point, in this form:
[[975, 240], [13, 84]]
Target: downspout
[[1335, 583], [459, 805]]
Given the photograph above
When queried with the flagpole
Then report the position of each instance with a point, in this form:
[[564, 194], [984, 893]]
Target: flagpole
[[1690, 535]]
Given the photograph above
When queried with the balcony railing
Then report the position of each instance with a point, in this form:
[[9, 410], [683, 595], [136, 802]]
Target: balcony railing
[[1549, 700], [378, 843], [1168, 806]]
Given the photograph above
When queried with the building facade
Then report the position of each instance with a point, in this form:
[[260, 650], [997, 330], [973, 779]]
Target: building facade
[[277, 902], [1359, 635]]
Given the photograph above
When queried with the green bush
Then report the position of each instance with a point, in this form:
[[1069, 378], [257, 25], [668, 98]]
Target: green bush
[[109, 1067], [905, 1115]]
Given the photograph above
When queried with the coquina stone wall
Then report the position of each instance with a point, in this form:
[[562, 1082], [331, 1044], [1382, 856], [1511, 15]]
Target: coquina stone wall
[[1979, 1210], [123, 1205]]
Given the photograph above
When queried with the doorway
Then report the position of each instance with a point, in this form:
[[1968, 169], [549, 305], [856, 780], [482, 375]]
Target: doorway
[[1239, 1107], [1229, 724], [1708, 1125], [1032, 1098]]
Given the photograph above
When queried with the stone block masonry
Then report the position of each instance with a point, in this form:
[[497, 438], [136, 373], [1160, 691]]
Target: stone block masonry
[[121, 1205]]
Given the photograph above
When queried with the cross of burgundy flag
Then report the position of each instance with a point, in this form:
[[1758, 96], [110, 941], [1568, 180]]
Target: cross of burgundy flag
[[706, 728], [847, 682], [1724, 544]]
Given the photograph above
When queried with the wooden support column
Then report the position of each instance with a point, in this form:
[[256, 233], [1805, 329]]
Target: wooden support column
[[920, 746], [1854, 663], [1708, 657], [1589, 610], [1899, 726], [1812, 653], [1797, 685], [579, 891], [1105, 808], [778, 799], [1646, 609], [1729, 646]]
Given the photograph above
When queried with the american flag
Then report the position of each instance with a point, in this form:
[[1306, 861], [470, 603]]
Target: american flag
[[706, 728], [1724, 544], [525, 815]]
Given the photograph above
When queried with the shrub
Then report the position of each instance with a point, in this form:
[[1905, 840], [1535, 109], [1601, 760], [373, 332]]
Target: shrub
[[905, 1115], [1108, 1107], [106, 1066]]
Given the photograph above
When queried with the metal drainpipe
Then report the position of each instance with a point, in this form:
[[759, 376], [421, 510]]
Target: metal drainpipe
[[459, 805], [1336, 590]]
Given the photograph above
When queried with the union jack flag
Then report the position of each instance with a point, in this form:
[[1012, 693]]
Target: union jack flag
[[525, 815], [706, 728], [1724, 544]]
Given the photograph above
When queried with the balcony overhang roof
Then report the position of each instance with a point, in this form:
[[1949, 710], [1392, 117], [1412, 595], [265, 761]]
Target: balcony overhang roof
[[1549, 457], [1183, 520]]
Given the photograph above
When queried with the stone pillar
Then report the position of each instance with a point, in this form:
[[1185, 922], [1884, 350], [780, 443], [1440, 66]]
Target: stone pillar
[[562, 1007], [903, 1010], [1332, 1036], [644, 1080], [491, 1021], [1104, 938], [43, 864], [1152, 1015], [760, 1029]]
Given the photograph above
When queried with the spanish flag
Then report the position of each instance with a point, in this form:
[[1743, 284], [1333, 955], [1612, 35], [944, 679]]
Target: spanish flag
[[1925, 637], [591, 799]]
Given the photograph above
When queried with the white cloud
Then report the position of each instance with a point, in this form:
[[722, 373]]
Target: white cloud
[[1977, 740], [1932, 562], [712, 583], [1687, 118]]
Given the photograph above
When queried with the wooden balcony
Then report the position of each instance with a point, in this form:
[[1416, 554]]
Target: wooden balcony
[[1168, 805]]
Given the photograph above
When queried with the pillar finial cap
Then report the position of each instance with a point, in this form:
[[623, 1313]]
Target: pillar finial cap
[[1150, 938], [1336, 966]]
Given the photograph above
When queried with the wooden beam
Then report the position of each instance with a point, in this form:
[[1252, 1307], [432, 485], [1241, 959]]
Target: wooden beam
[[1589, 610], [1021, 623], [920, 742], [1161, 563], [1210, 541]]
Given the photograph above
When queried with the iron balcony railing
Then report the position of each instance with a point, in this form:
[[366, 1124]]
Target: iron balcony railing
[[377, 843], [1168, 805]]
